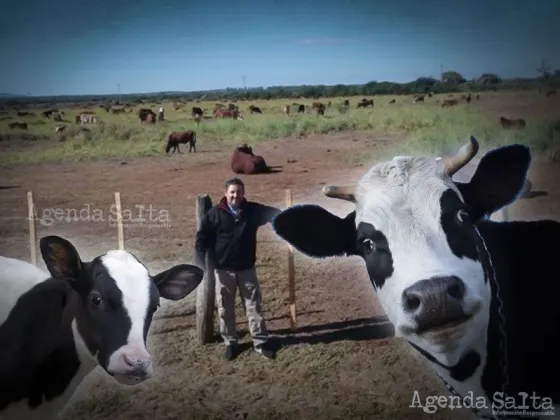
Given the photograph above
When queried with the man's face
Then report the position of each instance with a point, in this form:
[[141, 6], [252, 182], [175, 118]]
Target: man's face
[[234, 195]]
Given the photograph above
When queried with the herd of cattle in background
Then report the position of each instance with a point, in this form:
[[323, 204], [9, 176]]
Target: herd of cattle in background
[[220, 110], [243, 160], [504, 255]]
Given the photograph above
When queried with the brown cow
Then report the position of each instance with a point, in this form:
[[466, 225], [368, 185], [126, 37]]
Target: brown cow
[[48, 112], [419, 98], [514, 123], [551, 93], [243, 161], [392, 101], [227, 113], [364, 103], [449, 102], [151, 118], [17, 124], [301, 109], [143, 115], [287, 109], [319, 107], [181, 137], [117, 109]]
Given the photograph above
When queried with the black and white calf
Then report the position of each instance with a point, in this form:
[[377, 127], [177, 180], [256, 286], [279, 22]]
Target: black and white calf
[[55, 329], [477, 298]]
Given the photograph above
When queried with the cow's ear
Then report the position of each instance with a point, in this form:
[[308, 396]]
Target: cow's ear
[[316, 232], [61, 258], [499, 180]]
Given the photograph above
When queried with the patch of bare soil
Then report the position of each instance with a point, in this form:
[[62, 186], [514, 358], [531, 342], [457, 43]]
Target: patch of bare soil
[[340, 362]]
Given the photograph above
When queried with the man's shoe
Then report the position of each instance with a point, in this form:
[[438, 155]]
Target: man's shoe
[[266, 351], [231, 351]]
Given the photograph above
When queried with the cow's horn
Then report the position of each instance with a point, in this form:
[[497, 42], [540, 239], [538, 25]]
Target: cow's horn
[[463, 156], [341, 192]]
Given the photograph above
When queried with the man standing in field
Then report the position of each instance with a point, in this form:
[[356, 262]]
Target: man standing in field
[[230, 230]]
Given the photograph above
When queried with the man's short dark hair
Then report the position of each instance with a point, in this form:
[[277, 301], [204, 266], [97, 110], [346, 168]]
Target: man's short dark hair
[[235, 181]]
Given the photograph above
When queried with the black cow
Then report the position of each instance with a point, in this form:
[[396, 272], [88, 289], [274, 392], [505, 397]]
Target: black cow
[[255, 109], [55, 329], [477, 298], [197, 112]]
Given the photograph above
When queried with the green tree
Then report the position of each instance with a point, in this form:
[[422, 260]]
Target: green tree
[[452, 77]]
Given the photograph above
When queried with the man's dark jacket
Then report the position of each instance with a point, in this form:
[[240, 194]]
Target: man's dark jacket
[[233, 239]]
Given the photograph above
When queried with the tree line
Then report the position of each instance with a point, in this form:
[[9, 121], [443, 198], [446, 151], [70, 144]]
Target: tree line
[[450, 82]]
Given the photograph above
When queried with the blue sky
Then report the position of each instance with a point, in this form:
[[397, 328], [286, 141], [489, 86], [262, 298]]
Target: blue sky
[[67, 47]]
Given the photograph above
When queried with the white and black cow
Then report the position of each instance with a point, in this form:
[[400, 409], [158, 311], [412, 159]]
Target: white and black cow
[[55, 329], [476, 297]]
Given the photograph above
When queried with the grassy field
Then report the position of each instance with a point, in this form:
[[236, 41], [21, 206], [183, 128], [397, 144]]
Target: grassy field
[[340, 362], [423, 127]]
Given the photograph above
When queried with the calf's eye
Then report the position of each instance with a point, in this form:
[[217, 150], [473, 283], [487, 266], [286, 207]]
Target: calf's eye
[[369, 245], [95, 299]]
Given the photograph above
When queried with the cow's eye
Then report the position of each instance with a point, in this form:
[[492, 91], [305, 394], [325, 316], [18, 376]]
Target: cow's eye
[[369, 246], [95, 299], [462, 216]]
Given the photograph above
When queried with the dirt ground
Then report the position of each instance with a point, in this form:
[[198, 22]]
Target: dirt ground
[[341, 362]]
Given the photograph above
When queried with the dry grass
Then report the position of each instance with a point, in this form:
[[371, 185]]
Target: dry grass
[[425, 127], [340, 364]]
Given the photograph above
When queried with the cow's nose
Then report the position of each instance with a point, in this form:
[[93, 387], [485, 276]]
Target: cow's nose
[[435, 301], [137, 365]]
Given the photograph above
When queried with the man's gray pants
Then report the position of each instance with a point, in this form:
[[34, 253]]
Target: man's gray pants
[[227, 282]]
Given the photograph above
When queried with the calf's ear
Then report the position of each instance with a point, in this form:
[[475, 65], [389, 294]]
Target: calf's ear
[[179, 281], [499, 180], [316, 232], [61, 257]]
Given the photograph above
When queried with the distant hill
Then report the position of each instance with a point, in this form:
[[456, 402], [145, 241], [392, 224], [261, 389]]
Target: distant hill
[[450, 82], [11, 96]]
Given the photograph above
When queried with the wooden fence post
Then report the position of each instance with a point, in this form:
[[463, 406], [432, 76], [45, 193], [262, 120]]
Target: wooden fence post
[[32, 235], [291, 272], [206, 290], [120, 230]]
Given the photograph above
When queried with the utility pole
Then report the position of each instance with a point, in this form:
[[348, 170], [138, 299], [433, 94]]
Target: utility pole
[[244, 78], [119, 92], [441, 72]]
